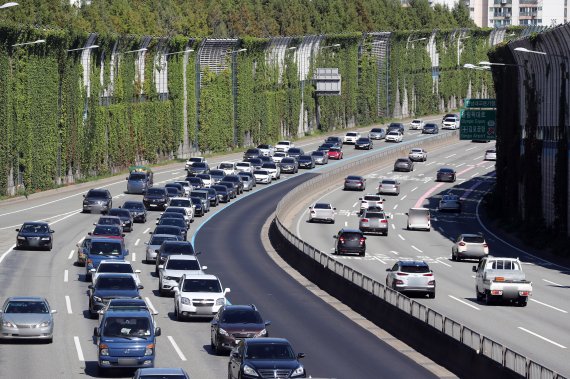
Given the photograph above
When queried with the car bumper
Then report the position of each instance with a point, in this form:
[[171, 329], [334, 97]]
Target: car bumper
[[33, 243], [139, 217], [392, 140], [288, 170], [403, 168], [201, 311], [106, 361], [445, 179], [223, 198], [471, 254], [95, 208], [263, 181], [371, 229], [26, 333], [407, 288], [168, 285], [362, 146], [350, 250], [416, 158]]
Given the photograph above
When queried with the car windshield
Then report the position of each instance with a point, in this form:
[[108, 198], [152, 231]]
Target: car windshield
[[288, 161], [105, 248], [243, 164], [241, 316], [416, 269], [202, 285], [120, 268], [158, 240], [137, 176], [336, 149], [318, 153], [279, 154], [173, 221], [294, 150], [179, 264], [351, 134], [395, 125], [376, 130], [269, 165], [195, 180], [402, 160], [304, 158], [97, 194], [199, 165], [417, 121], [430, 126], [200, 194], [263, 147], [473, 239], [133, 205], [203, 176], [155, 191], [222, 189], [26, 307], [167, 229], [363, 139], [393, 133], [109, 221], [172, 190], [273, 351], [284, 143], [505, 265], [126, 327], [180, 203], [196, 200], [322, 206], [108, 230], [491, 151], [226, 165], [217, 173], [35, 228], [179, 248], [252, 151], [416, 150], [195, 159], [175, 210], [115, 283]]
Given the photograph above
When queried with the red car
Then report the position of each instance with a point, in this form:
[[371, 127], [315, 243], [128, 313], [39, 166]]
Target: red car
[[335, 153], [108, 231]]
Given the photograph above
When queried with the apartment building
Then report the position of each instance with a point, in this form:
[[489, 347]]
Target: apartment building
[[498, 13]]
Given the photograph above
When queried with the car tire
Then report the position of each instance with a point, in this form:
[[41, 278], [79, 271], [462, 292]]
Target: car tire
[[453, 257], [177, 314], [522, 302], [361, 254], [385, 234], [431, 295], [49, 340], [488, 298]]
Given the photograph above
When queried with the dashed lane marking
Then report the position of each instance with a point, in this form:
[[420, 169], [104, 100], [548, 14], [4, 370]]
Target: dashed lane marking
[[464, 302], [176, 348], [71, 254], [78, 348], [68, 304]]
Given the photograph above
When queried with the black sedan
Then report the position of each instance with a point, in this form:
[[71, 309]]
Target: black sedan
[[36, 235], [306, 161], [364, 143], [430, 128], [252, 153], [223, 193], [289, 165], [446, 174], [231, 188], [199, 209], [137, 209], [404, 164]]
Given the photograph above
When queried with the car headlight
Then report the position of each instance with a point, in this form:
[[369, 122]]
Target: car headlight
[[221, 301], [185, 300], [103, 349], [248, 370], [44, 324], [97, 298], [149, 349], [45, 238], [21, 238], [8, 324], [223, 332], [262, 333], [298, 371]]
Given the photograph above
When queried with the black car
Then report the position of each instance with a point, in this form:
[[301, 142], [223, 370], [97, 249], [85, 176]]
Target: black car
[[111, 286], [445, 174], [223, 193], [178, 222], [265, 358], [231, 187], [238, 184], [178, 212], [217, 175], [178, 186], [199, 209], [350, 241], [137, 209], [306, 161], [34, 235], [289, 165], [212, 196], [195, 182], [256, 163], [404, 164], [233, 323], [266, 159], [98, 200], [252, 153], [334, 140], [325, 147], [198, 168], [295, 152], [172, 248], [156, 198], [125, 216], [430, 128], [396, 126], [169, 229], [173, 192], [364, 143]]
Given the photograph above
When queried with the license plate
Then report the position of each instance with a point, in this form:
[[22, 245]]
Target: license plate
[[153, 205], [127, 362]]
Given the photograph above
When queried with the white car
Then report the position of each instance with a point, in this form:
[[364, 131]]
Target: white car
[[273, 169], [417, 124], [394, 136], [418, 154], [229, 168], [278, 156], [284, 146], [266, 150], [116, 267], [186, 203], [244, 167], [192, 160], [198, 295], [491, 155], [371, 200], [322, 212], [351, 137], [172, 270], [451, 122], [206, 179], [262, 176], [411, 276]]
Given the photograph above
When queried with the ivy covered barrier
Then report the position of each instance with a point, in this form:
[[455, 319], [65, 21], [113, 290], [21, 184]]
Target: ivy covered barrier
[[67, 115]]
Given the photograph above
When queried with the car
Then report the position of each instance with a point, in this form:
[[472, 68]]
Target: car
[[222, 192], [404, 164], [243, 167], [289, 165], [388, 187], [501, 279], [198, 295], [354, 182], [351, 241], [199, 206], [450, 203], [430, 128], [321, 157], [109, 231], [233, 323], [364, 143], [186, 186], [97, 200], [228, 168], [196, 183], [102, 248], [110, 220], [266, 159], [411, 277], [137, 209], [139, 180], [265, 358], [248, 180], [174, 191], [325, 147], [251, 153], [177, 222], [206, 179], [212, 196], [156, 198], [111, 286], [491, 155], [338, 141], [295, 152], [198, 168], [322, 212], [125, 216], [351, 137], [306, 161], [178, 216], [373, 221], [262, 176], [162, 373], [193, 160], [371, 200], [153, 245], [37, 235], [266, 150], [450, 121], [179, 187], [172, 248], [273, 169], [232, 190], [469, 246], [419, 219], [396, 127], [255, 163], [394, 136], [182, 210], [236, 181], [26, 318], [417, 154], [82, 250], [377, 133], [217, 175], [417, 124], [284, 146], [446, 174], [206, 198], [169, 229], [186, 204], [174, 266], [279, 155], [335, 153], [117, 267]]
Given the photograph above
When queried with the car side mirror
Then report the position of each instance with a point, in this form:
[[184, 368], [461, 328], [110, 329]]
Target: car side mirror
[[301, 355], [137, 271], [89, 233], [53, 311], [474, 268], [334, 209], [96, 331], [83, 195], [160, 267], [227, 290], [157, 332], [17, 230], [334, 236], [388, 270], [52, 231], [267, 323], [140, 287], [204, 267], [407, 214]]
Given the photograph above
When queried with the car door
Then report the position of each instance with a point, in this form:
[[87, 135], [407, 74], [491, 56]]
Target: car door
[[479, 274], [391, 274]]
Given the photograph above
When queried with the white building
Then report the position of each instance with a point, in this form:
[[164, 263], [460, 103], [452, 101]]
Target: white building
[[497, 13]]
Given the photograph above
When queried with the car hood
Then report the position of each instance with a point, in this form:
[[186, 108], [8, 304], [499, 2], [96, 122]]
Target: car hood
[[32, 234], [245, 328], [263, 364], [119, 293], [26, 318], [179, 273], [203, 295]]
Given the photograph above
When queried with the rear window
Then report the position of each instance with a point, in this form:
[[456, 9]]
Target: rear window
[[415, 269], [351, 236], [375, 215], [389, 182], [322, 206], [351, 177], [402, 160], [372, 198], [505, 265], [97, 194], [473, 239]]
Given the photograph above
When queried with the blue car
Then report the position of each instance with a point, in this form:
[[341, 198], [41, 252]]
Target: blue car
[[103, 249]]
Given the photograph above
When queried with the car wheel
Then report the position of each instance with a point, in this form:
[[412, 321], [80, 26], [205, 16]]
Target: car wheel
[[453, 257], [217, 350], [478, 294], [488, 298], [49, 340], [386, 234], [361, 254], [522, 302], [177, 314], [431, 295]]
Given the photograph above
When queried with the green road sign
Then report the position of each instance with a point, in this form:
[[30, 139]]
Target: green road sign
[[480, 103], [477, 124]]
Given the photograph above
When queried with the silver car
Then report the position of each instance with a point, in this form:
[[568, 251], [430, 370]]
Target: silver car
[[373, 221], [248, 180], [450, 203], [389, 186], [377, 133], [418, 154], [321, 157], [491, 155], [411, 276], [322, 212], [153, 245], [471, 246], [26, 317], [371, 200]]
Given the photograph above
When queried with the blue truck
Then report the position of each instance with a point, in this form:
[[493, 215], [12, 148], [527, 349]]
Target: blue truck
[[103, 249]]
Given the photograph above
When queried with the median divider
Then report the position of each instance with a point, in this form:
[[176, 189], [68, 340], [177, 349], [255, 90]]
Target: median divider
[[460, 349]]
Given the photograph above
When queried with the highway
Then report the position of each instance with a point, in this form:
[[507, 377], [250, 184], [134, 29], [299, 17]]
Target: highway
[[335, 346], [537, 331]]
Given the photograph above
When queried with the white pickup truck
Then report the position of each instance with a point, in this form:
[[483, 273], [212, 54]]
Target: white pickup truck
[[501, 279]]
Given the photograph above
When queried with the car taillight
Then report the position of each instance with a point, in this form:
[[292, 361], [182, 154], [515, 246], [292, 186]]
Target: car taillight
[[402, 274], [524, 293], [384, 221], [496, 292], [461, 243], [341, 239], [430, 274], [362, 241], [399, 282], [361, 183], [364, 220]]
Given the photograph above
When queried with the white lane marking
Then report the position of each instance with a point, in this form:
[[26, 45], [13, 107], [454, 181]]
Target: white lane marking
[[176, 348], [461, 164], [449, 156], [395, 206], [71, 254], [134, 257], [542, 338], [378, 259], [464, 302], [471, 148], [475, 174], [66, 276], [7, 252], [478, 158], [355, 204], [473, 276], [68, 305], [137, 241], [149, 304], [146, 230], [81, 240], [393, 226], [64, 217], [413, 189], [430, 163], [78, 348], [394, 252], [549, 306], [443, 263], [346, 223], [402, 238], [403, 197], [416, 249], [556, 284]]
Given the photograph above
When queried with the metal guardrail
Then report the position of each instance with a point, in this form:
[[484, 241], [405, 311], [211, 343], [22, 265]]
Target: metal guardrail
[[474, 340]]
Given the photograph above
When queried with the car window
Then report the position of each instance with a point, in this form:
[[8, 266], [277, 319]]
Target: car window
[[201, 285], [137, 176], [243, 316], [420, 269], [388, 182], [322, 206], [116, 268], [126, 327], [269, 351], [26, 307], [115, 283], [97, 194], [155, 191], [107, 230], [473, 239], [372, 198], [375, 215], [105, 248], [31, 228], [131, 205], [180, 203], [179, 264], [351, 236], [351, 177]]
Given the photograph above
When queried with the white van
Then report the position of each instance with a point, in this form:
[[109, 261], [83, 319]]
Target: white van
[[419, 218]]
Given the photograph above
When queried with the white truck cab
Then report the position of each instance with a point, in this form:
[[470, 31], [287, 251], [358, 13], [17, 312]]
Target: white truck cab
[[501, 279]]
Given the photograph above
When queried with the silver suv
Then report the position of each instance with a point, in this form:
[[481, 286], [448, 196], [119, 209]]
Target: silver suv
[[373, 221]]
